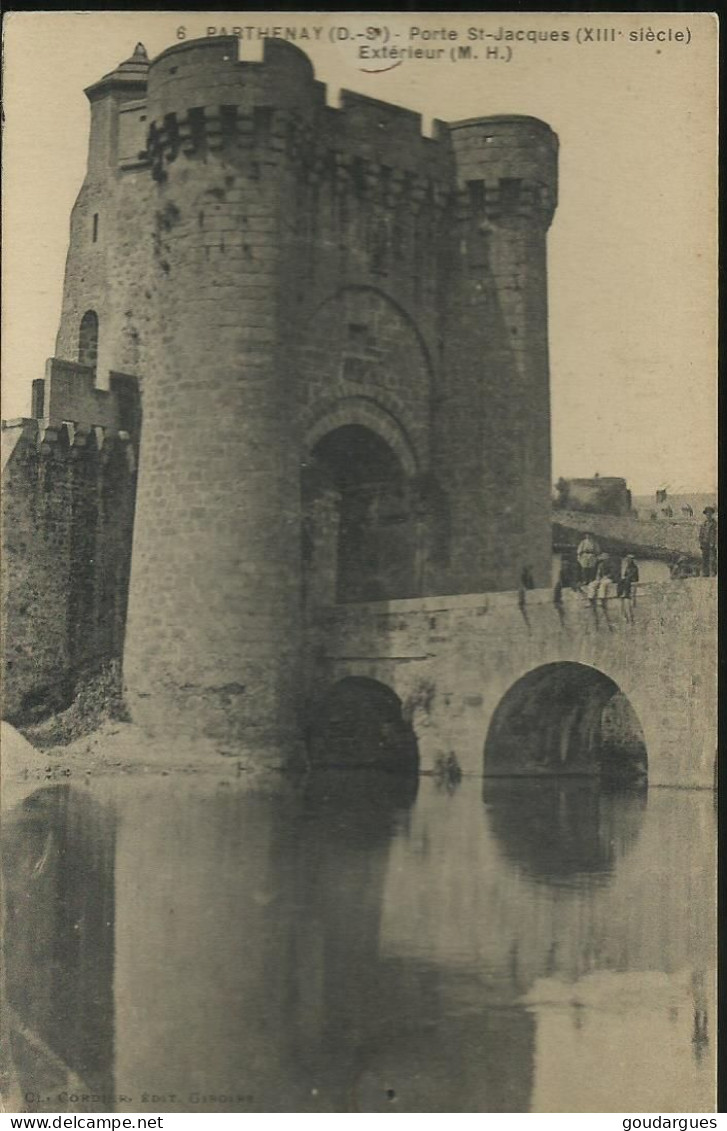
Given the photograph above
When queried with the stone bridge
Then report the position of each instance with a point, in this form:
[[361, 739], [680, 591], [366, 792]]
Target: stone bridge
[[497, 684]]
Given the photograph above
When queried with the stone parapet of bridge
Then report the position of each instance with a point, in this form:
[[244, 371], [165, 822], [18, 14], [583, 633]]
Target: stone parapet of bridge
[[451, 660]]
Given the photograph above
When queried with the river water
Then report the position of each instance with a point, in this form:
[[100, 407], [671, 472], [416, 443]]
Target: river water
[[358, 942]]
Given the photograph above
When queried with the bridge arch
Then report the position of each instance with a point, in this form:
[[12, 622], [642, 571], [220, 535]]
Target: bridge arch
[[360, 723], [566, 719]]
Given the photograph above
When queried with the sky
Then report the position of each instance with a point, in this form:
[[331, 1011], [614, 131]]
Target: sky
[[632, 249]]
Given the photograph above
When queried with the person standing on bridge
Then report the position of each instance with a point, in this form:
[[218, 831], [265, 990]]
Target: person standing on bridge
[[600, 589], [708, 543], [587, 556], [526, 577], [608, 575], [626, 588]]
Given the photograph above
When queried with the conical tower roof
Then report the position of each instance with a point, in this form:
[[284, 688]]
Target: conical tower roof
[[130, 75]]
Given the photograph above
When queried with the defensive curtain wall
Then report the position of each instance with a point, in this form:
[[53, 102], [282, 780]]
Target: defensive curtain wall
[[67, 523]]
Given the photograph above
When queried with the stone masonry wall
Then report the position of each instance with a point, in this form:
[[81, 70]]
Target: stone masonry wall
[[67, 514]]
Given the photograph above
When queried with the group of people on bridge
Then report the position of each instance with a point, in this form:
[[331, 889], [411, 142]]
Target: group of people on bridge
[[598, 576], [601, 576]]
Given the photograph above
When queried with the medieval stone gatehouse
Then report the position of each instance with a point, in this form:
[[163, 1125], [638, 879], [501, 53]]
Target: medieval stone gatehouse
[[324, 335]]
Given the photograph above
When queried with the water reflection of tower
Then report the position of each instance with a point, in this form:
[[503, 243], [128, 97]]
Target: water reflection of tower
[[202, 936], [340, 846], [249, 962], [246, 952], [331, 948], [370, 1032], [58, 915]]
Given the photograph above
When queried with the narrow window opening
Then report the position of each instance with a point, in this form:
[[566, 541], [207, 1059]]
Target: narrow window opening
[[88, 339], [197, 126], [38, 398], [476, 191], [94, 236], [228, 121]]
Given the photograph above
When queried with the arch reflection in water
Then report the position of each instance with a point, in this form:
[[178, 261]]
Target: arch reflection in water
[[563, 831], [58, 943], [360, 723], [566, 719]]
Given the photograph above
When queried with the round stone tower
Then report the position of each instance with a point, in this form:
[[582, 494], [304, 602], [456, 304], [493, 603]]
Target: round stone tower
[[507, 173], [213, 633]]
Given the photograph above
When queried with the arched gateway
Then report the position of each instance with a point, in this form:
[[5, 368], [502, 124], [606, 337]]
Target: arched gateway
[[358, 524]]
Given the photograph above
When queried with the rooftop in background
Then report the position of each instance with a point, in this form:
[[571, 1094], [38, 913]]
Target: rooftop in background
[[697, 500]]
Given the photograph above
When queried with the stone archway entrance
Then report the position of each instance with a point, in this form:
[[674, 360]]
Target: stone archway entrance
[[359, 527], [566, 719]]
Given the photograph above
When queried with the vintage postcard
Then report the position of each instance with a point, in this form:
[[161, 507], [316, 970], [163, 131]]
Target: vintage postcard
[[359, 563]]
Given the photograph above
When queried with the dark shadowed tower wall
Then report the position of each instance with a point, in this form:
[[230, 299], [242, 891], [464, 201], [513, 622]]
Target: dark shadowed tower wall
[[507, 194]]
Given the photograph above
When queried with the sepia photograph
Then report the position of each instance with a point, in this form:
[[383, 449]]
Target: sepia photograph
[[359, 563]]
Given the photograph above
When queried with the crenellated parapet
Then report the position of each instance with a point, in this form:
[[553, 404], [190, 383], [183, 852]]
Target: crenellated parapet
[[199, 99], [26, 442], [507, 169], [282, 137], [268, 140], [202, 100], [506, 200], [197, 131], [68, 397]]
